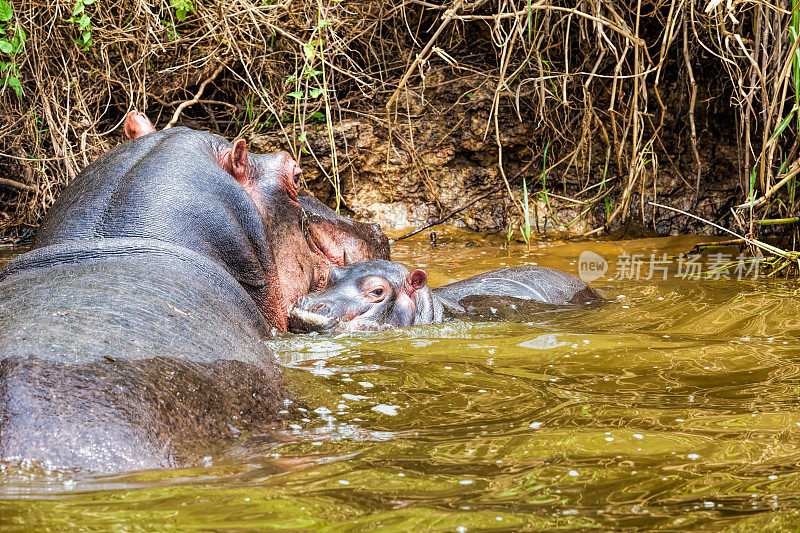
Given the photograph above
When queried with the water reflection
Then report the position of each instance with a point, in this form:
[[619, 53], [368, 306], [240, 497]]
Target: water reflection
[[673, 405]]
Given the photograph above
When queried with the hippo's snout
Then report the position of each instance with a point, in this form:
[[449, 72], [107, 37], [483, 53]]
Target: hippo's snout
[[317, 307], [309, 315]]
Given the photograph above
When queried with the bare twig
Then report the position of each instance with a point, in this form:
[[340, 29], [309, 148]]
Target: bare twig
[[17, 185], [197, 95], [692, 102]]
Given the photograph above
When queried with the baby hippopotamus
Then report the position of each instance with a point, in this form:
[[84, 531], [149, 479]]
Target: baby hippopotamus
[[379, 294]]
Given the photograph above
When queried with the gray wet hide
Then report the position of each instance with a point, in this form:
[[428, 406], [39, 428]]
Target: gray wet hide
[[535, 284], [102, 366]]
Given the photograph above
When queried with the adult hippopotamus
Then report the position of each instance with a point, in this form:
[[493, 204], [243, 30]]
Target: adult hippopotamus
[[175, 186], [131, 333], [379, 294]]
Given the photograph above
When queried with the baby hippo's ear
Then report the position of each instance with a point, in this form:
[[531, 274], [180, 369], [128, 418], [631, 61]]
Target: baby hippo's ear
[[235, 163], [417, 279]]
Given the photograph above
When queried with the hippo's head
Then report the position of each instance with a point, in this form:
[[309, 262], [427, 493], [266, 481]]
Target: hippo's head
[[366, 295], [299, 239], [308, 238]]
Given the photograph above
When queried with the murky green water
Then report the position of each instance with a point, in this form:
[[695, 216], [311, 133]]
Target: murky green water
[[676, 405]]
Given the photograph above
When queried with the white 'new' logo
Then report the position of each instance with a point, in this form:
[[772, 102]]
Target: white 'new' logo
[[591, 266]]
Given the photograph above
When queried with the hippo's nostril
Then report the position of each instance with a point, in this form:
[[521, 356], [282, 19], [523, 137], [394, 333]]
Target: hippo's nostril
[[321, 309]]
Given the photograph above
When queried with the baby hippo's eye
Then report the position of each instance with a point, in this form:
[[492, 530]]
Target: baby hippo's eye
[[374, 288]]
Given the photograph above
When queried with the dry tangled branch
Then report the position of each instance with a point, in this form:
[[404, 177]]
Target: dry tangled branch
[[623, 94]]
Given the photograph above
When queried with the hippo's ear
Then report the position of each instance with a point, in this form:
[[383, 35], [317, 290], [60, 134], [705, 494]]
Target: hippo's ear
[[234, 161], [137, 125], [417, 279]]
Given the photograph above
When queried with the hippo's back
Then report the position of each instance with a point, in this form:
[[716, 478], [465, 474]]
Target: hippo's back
[[128, 354], [531, 283]]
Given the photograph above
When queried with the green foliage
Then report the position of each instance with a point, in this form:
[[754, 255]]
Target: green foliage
[[12, 42], [782, 126], [172, 33], [310, 84], [84, 23], [525, 228], [544, 194], [182, 8], [308, 74], [311, 77]]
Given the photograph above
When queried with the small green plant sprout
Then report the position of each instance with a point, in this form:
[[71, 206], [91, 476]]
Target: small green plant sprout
[[182, 8], [84, 23], [311, 84], [11, 43], [302, 140], [544, 194], [172, 33], [525, 227]]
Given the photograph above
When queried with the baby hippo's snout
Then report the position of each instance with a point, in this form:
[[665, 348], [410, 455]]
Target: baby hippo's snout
[[314, 306], [311, 314], [366, 296]]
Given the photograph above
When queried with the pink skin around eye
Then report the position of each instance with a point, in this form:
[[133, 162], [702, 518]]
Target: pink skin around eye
[[374, 285]]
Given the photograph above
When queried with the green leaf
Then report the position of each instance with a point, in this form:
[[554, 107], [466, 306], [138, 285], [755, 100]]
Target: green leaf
[[291, 78], [6, 47], [5, 11], [16, 85], [18, 40], [310, 73], [322, 23], [295, 94], [182, 8], [308, 51], [302, 137], [783, 124], [78, 9], [318, 115], [304, 150], [314, 93]]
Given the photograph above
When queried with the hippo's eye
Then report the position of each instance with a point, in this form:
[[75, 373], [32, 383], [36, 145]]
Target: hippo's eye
[[374, 288]]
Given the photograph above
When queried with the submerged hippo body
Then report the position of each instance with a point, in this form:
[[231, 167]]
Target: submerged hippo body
[[131, 334], [379, 294]]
